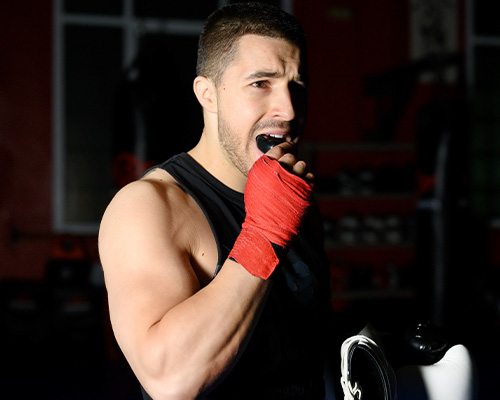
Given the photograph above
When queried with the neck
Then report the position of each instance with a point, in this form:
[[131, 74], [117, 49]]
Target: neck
[[210, 155]]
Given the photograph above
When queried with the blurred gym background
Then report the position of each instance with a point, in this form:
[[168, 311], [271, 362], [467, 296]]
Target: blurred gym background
[[403, 132]]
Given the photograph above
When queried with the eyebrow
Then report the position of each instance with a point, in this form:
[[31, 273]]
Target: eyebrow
[[263, 74], [270, 74]]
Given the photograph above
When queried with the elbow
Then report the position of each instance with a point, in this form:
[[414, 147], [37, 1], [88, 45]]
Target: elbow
[[161, 390], [171, 388], [168, 373], [172, 383]]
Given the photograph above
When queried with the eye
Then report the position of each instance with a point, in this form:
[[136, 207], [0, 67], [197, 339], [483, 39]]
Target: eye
[[260, 84]]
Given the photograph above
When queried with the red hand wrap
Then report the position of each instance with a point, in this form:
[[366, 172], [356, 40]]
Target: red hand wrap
[[275, 201]]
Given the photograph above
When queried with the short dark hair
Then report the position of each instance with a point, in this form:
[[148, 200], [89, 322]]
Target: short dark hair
[[217, 43]]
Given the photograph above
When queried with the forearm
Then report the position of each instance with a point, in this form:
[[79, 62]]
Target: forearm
[[198, 339]]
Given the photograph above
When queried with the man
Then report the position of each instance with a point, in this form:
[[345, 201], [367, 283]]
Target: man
[[214, 293]]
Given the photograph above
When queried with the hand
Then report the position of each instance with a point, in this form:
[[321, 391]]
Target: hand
[[276, 199], [284, 154]]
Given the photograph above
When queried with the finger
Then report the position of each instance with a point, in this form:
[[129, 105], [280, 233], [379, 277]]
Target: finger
[[288, 160], [309, 177], [300, 168], [297, 167], [280, 150]]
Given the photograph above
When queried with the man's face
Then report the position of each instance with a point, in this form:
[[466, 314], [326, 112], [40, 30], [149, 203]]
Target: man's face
[[258, 94]]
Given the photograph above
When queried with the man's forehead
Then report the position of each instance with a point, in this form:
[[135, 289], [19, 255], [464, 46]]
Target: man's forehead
[[264, 42], [266, 54]]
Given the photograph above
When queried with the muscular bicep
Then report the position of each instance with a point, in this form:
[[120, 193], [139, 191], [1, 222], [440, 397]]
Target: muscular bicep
[[146, 261], [178, 335]]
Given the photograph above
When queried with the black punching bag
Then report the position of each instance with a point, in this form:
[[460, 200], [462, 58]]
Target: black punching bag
[[156, 112]]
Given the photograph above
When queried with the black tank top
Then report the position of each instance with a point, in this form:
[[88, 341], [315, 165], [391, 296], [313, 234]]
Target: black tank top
[[283, 358]]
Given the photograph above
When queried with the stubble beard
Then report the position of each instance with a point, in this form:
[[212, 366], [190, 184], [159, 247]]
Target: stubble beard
[[236, 151]]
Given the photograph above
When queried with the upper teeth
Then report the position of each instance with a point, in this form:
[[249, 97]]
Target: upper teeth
[[276, 135]]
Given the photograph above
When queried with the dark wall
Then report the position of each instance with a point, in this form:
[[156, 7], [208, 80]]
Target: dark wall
[[25, 136], [349, 40]]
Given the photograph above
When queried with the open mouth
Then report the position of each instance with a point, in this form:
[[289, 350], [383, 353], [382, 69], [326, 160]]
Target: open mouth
[[267, 142]]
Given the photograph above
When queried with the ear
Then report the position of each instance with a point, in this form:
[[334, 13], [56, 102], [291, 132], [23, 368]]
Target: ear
[[205, 92]]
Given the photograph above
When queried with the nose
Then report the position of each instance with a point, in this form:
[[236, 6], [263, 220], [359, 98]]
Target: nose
[[283, 104]]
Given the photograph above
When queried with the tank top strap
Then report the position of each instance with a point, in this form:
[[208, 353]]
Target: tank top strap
[[223, 207]]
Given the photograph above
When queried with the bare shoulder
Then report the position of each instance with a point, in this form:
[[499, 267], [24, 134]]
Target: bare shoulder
[[147, 209], [157, 192]]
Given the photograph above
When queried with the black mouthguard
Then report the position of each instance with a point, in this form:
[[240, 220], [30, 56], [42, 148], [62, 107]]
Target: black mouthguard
[[266, 142]]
